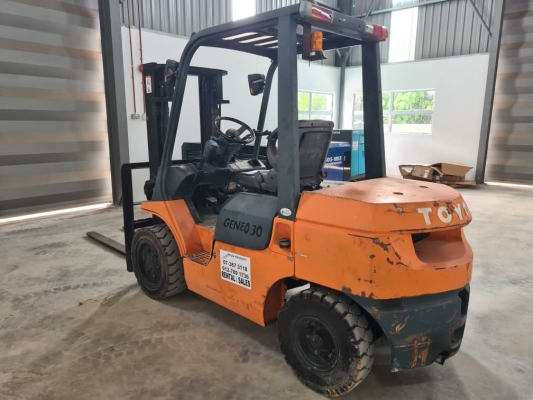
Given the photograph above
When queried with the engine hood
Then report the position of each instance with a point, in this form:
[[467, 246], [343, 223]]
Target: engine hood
[[385, 205]]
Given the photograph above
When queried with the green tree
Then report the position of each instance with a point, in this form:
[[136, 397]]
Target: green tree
[[319, 102], [413, 101], [303, 101]]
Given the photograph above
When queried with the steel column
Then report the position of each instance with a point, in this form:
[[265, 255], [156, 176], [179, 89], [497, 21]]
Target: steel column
[[115, 89], [497, 23], [344, 55], [373, 112], [288, 139], [264, 107]]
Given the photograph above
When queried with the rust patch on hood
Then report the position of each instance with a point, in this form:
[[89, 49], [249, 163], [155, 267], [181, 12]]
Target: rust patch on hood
[[346, 289], [384, 246]]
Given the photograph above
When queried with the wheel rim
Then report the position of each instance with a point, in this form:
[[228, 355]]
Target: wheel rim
[[316, 343], [149, 266]]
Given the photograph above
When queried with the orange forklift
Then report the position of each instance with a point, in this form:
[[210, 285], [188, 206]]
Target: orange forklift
[[379, 257]]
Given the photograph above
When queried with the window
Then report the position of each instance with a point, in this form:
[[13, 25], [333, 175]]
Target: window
[[242, 9], [403, 35], [313, 105], [403, 111]]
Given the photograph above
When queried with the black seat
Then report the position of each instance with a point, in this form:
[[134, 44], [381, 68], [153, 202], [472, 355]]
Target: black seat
[[315, 138]]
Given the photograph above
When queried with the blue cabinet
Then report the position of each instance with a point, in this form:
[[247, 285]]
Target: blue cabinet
[[358, 153], [336, 160]]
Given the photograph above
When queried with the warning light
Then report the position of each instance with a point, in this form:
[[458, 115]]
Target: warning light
[[316, 41], [321, 14]]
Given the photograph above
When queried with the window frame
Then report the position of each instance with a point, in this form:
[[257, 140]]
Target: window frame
[[310, 111], [390, 113]]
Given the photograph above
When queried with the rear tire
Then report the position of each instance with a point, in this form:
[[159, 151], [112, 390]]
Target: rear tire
[[327, 341], [157, 262]]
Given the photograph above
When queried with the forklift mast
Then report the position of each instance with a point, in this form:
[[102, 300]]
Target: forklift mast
[[159, 81]]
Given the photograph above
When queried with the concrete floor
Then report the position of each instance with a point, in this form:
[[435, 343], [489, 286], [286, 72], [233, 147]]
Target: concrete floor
[[74, 324]]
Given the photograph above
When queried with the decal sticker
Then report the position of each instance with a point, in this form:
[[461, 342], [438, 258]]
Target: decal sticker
[[445, 214], [235, 269], [285, 212], [148, 84], [245, 227]]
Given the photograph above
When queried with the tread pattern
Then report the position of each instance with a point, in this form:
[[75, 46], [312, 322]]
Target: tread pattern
[[176, 277], [356, 324]]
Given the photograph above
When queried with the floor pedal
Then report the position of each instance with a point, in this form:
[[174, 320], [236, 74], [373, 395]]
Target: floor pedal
[[201, 257]]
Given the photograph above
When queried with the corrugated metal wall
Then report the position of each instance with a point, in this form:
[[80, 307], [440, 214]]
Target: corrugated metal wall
[[178, 17], [510, 155], [452, 29], [445, 29], [53, 133], [268, 5]]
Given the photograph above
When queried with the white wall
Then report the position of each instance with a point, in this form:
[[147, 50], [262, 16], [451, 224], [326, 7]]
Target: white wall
[[159, 47], [459, 84]]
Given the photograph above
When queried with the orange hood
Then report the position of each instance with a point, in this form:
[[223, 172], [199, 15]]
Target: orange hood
[[385, 205]]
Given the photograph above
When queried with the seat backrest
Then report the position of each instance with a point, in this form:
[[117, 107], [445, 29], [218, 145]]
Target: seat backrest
[[315, 138]]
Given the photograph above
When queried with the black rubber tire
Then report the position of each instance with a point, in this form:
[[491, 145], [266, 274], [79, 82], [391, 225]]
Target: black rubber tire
[[352, 336], [169, 278]]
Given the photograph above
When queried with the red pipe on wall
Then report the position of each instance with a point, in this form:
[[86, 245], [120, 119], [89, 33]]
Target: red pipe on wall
[[141, 51], [132, 69]]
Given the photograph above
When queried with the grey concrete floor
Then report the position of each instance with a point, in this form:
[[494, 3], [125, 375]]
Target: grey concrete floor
[[74, 325]]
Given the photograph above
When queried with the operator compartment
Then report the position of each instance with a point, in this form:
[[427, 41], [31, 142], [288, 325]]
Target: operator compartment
[[387, 230]]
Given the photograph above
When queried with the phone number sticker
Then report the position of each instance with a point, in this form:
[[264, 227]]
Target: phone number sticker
[[235, 269]]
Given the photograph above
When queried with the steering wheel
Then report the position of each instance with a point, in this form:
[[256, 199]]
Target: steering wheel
[[235, 135]]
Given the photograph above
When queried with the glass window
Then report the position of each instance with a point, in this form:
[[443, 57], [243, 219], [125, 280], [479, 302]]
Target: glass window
[[403, 112], [403, 35], [312, 105], [322, 102], [242, 9]]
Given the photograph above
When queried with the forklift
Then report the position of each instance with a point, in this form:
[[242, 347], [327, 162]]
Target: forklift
[[382, 257]]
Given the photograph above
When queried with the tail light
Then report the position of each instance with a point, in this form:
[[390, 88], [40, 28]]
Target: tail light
[[321, 14], [377, 31], [381, 32]]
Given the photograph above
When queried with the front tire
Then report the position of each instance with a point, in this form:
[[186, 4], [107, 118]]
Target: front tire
[[327, 341], [157, 262]]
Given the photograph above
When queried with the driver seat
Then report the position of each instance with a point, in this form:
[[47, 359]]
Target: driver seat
[[315, 138]]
